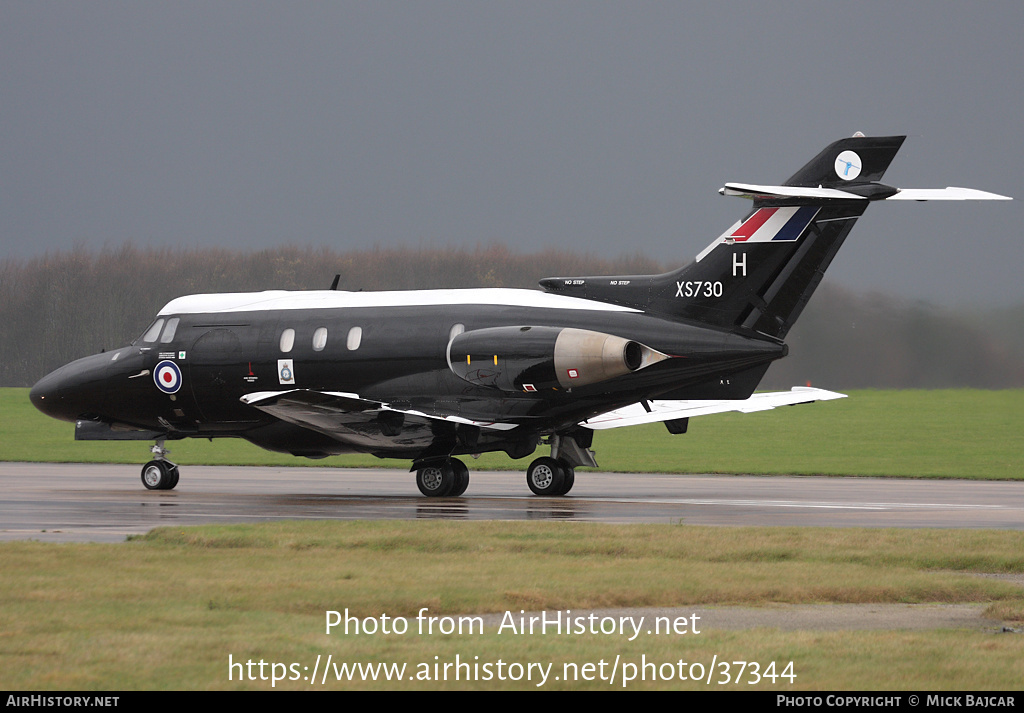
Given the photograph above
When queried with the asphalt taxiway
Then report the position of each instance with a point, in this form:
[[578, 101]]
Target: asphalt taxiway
[[105, 503]]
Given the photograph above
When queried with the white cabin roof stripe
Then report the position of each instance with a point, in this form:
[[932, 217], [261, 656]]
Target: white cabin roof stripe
[[332, 299]]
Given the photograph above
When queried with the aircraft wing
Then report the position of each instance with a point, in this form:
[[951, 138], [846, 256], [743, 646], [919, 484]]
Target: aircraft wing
[[295, 401], [636, 414], [345, 414]]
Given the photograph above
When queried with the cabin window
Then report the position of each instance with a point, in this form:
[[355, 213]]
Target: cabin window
[[169, 330], [287, 340], [355, 336], [320, 339], [153, 332]]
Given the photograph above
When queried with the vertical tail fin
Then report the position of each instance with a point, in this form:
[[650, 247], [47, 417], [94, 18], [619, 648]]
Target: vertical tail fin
[[849, 162], [759, 274]]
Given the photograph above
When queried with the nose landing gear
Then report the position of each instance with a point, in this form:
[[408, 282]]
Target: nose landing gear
[[159, 473]]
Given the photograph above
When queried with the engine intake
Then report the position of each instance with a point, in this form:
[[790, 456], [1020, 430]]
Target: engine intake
[[535, 358]]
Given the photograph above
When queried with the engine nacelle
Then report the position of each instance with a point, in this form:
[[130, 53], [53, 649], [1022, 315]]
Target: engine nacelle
[[535, 358]]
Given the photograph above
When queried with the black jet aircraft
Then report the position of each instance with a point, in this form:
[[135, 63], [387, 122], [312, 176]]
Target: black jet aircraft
[[434, 374]]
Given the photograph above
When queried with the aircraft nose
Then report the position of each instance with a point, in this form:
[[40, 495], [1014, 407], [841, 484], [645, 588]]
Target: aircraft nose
[[45, 395], [75, 390]]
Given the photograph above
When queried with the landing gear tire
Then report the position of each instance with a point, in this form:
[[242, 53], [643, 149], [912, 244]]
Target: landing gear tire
[[159, 475], [570, 479], [437, 479], [461, 478], [174, 478], [546, 476]]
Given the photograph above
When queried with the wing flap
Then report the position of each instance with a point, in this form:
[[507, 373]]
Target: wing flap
[[636, 414]]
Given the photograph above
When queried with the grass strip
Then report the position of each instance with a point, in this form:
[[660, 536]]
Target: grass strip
[[957, 433], [84, 616]]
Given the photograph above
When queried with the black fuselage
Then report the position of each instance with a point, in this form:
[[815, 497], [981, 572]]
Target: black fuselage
[[397, 355]]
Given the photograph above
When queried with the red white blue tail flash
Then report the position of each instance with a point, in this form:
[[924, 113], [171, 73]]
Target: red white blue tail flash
[[767, 225]]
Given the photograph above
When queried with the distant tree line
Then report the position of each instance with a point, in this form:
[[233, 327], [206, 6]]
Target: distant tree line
[[64, 305], [846, 340]]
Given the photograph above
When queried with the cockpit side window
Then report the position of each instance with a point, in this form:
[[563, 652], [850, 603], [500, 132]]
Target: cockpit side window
[[169, 330], [153, 332]]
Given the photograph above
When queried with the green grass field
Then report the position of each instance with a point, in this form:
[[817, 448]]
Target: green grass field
[[165, 610], [920, 434]]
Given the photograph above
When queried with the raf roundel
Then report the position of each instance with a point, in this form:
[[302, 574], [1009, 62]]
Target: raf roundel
[[167, 376]]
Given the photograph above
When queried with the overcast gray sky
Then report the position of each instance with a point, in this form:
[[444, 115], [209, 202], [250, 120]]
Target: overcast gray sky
[[592, 126]]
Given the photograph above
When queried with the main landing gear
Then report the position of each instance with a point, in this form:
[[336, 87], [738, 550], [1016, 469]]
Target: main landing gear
[[442, 478], [549, 476], [555, 475], [449, 478], [159, 473]]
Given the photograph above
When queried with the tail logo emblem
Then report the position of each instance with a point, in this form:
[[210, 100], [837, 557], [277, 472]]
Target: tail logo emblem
[[848, 165]]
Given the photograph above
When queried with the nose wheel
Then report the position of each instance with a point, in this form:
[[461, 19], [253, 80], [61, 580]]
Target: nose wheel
[[159, 473]]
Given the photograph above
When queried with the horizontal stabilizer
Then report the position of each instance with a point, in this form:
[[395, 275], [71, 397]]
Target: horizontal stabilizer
[[811, 195], [755, 192], [951, 193], [636, 414]]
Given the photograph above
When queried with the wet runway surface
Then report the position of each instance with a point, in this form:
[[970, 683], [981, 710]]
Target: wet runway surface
[[105, 503]]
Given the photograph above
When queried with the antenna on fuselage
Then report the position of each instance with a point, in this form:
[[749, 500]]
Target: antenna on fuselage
[[337, 279]]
